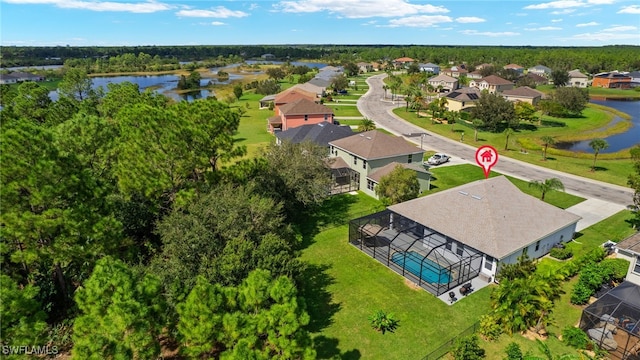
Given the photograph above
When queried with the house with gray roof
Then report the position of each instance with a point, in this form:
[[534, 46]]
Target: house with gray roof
[[523, 93], [369, 151], [629, 249], [320, 82], [321, 133], [577, 79], [430, 67], [540, 70], [462, 98], [443, 240]]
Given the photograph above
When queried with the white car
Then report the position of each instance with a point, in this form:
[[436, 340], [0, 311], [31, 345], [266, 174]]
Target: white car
[[437, 159]]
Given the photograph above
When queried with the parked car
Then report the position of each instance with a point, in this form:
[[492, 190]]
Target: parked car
[[437, 159]]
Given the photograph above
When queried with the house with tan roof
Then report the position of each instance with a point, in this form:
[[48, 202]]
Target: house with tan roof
[[456, 71], [443, 83], [577, 79], [320, 91], [368, 152], [492, 83], [443, 240], [402, 62], [515, 67], [524, 94], [475, 75], [462, 98], [629, 249], [297, 113]]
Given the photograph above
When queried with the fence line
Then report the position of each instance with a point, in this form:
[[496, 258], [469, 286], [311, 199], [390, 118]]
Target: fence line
[[443, 349]]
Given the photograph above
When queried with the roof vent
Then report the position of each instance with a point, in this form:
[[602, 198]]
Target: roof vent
[[463, 193], [476, 197]]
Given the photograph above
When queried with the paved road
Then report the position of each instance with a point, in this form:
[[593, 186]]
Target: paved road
[[374, 107]]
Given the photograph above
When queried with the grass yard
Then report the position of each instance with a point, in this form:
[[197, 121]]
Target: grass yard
[[345, 110], [252, 131], [345, 286]]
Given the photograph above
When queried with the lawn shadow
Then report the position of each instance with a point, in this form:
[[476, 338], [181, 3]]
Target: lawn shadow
[[327, 348], [552, 123], [529, 127], [313, 288], [334, 211], [599, 168]]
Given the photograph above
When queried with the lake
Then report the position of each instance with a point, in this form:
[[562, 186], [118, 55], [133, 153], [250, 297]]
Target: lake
[[616, 142]]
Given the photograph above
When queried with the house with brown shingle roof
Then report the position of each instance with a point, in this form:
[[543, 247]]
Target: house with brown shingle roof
[[297, 113], [462, 98], [443, 83], [523, 93], [492, 83], [446, 239], [515, 67], [370, 151]]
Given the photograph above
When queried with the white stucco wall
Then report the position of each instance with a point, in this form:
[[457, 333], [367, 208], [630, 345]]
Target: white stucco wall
[[633, 259]]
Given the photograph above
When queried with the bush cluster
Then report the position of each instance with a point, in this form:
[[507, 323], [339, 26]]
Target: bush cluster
[[594, 275], [575, 337], [561, 254]]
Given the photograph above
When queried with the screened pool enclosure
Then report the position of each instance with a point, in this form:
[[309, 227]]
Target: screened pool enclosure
[[431, 260], [613, 322]]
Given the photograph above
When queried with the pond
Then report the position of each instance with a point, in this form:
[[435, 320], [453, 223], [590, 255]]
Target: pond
[[617, 142]]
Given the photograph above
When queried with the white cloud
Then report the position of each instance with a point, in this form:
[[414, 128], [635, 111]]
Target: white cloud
[[563, 12], [621, 28], [614, 33], [139, 7], [469, 19], [217, 23], [560, 4], [593, 23], [420, 21], [218, 12], [600, 2], [544, 28], [631, 9], [253, 6], [359, 9], [556, 20], [489, 33]]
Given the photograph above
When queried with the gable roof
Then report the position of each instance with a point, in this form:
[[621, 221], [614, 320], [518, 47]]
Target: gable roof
[[377, 175], [320, 134], [577, 74], [430, 65], [540, 68], [523, 91], [304, 107], [311, 88], [371, 145], [538, 79], [443, 77], [320, 82], [495, 80], [632, 243], [513, 66], [490, 215], [293, 94], [404, 59], [464, 94]]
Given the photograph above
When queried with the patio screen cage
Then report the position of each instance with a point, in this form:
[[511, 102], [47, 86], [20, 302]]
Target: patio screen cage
[[613, 321], [431, 260], [344, 180]]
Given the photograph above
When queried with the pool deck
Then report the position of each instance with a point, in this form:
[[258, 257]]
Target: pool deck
[[477, 283]]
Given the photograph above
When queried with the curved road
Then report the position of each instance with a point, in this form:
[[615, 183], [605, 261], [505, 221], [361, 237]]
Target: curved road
[[373, 107]]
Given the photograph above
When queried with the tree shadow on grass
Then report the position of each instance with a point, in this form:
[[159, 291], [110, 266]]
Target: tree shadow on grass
[[599, 168], [320, 306], [334, 211], [327, 348]]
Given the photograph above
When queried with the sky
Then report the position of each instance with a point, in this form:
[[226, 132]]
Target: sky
[[252, 22]]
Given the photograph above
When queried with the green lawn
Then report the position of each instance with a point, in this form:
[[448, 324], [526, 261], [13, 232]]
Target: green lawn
[[345, 110], [612, 168], [252, 131]]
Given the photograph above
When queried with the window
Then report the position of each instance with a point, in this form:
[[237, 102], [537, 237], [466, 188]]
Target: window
[[448, 245], [355, 160], [460, 249], [409, 158], [488, 262], [538, 246], [637, 268], [326, 117], [364, 164], [306, 118], [370, 184]]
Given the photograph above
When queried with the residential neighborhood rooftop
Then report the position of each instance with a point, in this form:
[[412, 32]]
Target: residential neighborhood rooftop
[[490, 215], [632, 243], [523, 91], [304, 106], [374, 144], [385, 170], [320, 134]]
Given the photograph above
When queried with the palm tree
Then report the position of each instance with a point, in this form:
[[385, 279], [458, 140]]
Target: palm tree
[[385, 88], [546, 141], [597, 145], [418, 102], [507, 133], [547, 185], [366, 125]]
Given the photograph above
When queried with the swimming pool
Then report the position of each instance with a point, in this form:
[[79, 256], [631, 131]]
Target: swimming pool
[[431, 271]]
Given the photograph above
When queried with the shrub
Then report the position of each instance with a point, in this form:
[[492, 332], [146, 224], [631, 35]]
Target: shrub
[[513, 352], [616, 267], [561, 254], [575, 337], [489, 327], [383, 322], [467, 348], [581, 294]]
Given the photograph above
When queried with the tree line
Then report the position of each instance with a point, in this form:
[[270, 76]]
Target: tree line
[[137, 220]]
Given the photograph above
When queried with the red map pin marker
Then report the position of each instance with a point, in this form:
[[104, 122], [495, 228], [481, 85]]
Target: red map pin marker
[[486, 157]]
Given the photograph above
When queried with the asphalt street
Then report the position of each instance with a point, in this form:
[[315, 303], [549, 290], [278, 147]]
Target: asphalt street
[[373, 106]]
